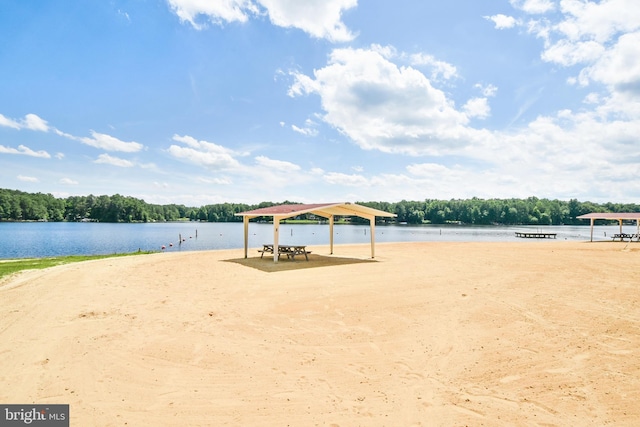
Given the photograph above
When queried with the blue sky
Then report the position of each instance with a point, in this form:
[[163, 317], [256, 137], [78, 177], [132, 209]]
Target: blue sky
[[198, 102]]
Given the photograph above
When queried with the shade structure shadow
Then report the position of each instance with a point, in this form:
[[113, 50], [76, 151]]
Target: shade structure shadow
[[266, 264]]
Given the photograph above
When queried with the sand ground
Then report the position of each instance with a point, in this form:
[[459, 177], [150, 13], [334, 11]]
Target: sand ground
[[427, 334]]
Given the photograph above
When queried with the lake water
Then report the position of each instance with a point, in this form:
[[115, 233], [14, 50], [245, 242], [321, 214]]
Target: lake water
[[42, 239]]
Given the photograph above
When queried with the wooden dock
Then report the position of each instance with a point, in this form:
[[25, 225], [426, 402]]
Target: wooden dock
[[535, 235]]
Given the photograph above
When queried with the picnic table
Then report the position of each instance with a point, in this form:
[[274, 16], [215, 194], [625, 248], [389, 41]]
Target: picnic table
[[625, 236], [289, 250]]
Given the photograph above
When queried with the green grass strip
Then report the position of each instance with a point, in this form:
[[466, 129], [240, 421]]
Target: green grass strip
[[11, 266]]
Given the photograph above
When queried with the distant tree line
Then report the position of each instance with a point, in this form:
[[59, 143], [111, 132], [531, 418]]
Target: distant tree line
[[475, 211], [21, 206]]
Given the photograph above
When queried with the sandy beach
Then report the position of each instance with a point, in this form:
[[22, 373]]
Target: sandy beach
[[427, 334]]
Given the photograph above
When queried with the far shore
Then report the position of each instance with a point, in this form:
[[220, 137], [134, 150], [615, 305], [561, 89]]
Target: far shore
[[439, 334]]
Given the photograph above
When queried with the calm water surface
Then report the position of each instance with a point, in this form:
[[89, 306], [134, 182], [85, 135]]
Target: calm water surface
[[40, 239]]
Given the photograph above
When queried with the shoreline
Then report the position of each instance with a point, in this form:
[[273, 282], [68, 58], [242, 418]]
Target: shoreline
[[500, 333], [252, 249], [58, 239]]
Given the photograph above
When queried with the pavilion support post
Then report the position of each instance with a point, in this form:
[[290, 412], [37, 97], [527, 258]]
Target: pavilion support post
[[276, 236], [592, 221], [331, 234], [245, 221], [372, 231], [620, 222]]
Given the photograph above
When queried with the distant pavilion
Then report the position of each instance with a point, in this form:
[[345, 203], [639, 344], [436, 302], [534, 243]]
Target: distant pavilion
[[620, 216], [324, 210]]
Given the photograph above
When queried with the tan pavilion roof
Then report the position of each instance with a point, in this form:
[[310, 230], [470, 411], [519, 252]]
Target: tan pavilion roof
[[320, 209], [610, 215]]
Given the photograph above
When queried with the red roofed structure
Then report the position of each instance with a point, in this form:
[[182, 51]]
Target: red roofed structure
[[325, 210]]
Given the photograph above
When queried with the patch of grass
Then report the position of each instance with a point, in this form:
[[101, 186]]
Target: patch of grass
[[11, 266]]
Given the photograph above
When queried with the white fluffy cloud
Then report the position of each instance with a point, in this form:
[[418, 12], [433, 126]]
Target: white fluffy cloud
[[30, 122], [218, 11], [439, 69], [33, 122], [383, 106], [6, 122], [37, 124], [601, 37], [352, 180], [599, 21], [318, 18], [113, 161], [477, 107], [306, 131], [533, 6], [569, 53], [502, 22], [25, 178], [203, 153], [487, 90], [277, 165], [619, 67], [110, 143], [25, 151]]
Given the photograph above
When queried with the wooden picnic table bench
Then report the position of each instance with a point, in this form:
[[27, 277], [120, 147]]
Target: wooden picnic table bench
[[289, 250]]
